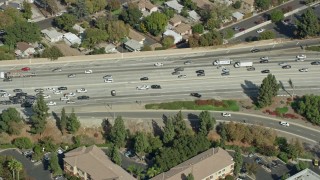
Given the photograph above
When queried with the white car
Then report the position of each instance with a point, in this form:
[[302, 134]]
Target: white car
[[5, 95], [158, 64], [65, 98], [70, 94], [303, 70], [182, 76], [70, 102], [225, 70], [301, 57], [51, 103], [260, 30], [57, 92], [82, 90], [187, 62], [88, 71], [108, 80], [143, 87], [71, 75], [51, 89], [264, 58], [226, 114], [46, 96], [283, 64], [284, 124]]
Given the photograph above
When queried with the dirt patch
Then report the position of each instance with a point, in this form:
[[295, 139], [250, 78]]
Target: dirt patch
[[67, 50]]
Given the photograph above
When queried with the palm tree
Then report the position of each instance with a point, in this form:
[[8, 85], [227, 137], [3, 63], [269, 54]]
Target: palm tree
[[19, 167], [138, 172], [153, 171], [131, 169], [12, 166]]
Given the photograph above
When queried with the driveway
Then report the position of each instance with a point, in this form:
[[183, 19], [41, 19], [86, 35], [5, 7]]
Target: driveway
[[35, 171]]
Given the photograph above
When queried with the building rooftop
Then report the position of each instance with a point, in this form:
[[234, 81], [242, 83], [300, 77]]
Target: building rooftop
[[146, 4], [135, 35], [306, 174], [174, 5], [22, 46], [182, 28], [237, 15], [78, 28], [194, 15], [175, 19], [51, 33], [93, 161], [133, 44], [203, 4], [177, 37]]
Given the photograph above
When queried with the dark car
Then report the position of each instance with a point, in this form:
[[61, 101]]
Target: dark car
[[20, 94], [30, 97], [57, 69], [286, 67], [242, 29], [225, 74], [265, 71], [179, 69], [83, 97], [26, 104], [17, 90], [175, 73], [200, 71], [62, 88], [144, 79], [315, 63], [113, 93], [264, 61], [255, 50], [251, 69], [195, 95], [7, 80], [155, 87], [201, 74]]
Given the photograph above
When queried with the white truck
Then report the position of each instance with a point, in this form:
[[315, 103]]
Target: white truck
[[2, 75], [243, 64], [222, 62]]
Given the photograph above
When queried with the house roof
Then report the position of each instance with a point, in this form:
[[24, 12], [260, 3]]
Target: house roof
[[306, 174], [182, 28], [135, 35], [22, 46], [133, 44], [51, 33], [237, 15], [93, 161], [177, 37], [78, 28], [194, 15], [10, 4], [175, 19], [201, 166], [174, 5], [146, 4], [71, 37], [203, 3]]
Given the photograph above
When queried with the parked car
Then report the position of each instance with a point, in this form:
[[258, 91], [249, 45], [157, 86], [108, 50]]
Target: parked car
[[283, 123], [237, 28], [260, 30], [17, 90], [196, 95], [226, 114]]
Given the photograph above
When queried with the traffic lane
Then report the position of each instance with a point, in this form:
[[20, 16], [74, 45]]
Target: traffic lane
[[36, 172]]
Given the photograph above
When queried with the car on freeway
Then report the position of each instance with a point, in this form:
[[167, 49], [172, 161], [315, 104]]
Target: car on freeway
[[51, 89], [38, 90], [201, 74], [260, 30], [158, 64], [107, 76], [265, 71], [143, 87], [113, 93], [110, 80], [57, 92], [83, 97], [225, 70], [200, 71], [4, 95], [264, 58], [179, 69], [315, 63], [57, 70], [88, 71], [62, 88], [225, 74], [70, 102], [71, 75], [251, 68], [303, 70], [25, 69], [46, 96], [51, 103], [64, 98], [226, 114], [155, 86], [237, 28], [17, 90], [7, 79], [283, 123], [72, 94], [81, 90], [2, 91], [301, 56], [182, 76], [242, 29], [283, 64], [187, 62], [255, 50], [196, 95], [144, 79], [264, 61], [286, 67], [175, 73]]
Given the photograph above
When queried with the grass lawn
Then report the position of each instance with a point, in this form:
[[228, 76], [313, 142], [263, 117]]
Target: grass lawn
[[229, 105], [282, 110], [313, 48]]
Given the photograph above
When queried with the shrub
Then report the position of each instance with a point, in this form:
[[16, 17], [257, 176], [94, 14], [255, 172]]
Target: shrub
[[22, 143], [283, 156], [96, 134]]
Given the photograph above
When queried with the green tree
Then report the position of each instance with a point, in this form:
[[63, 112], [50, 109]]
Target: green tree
[[131, 15], [263, 4], [223, 135], [212, 24], [227, 34], [277, 15], [206, 122], [252, 168], [22, 32], [38, 154], [168, 132], [93, 36], [237, 5], [267, 35], [15, 166], [63, 121], [73, 124], [22, 143], [229, 177], [10, 121], [138, 172], [146, 48], [198, 28], [152, 171], [167, 41], [268, 89], [117, 30], [301, 166], [156, 23], [19, 168], [80, 10], [114, 5], [190, 177], [238, 161], [308, 24], [308, 107], [54, 166], [155, 143], [184, 12], [179, 123], [39, 117], [131, 168], [168, 12], [141, 143], [65, 21], [52, 53], [118, 132], [115, 155], [285, 176], [27, 12]]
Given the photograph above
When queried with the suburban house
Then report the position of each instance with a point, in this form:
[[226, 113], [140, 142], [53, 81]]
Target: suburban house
[[236, 16], [136, 36], [52, 35], [146, 7], [203, 4], [24, 49], [91, 163], [183, 29], [247, 6], [177, 37], [71, 39], [133, 45], [175, 20], [212, 164], [306, 174], [173, 4], [78, 28], [8, 4], [194, 16], [108, 47]]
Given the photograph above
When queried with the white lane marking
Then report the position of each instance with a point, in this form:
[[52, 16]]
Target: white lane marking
[[297, 43], [66, 64], [273, 46]]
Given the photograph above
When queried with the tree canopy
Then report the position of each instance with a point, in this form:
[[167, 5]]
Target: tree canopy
[[117, 30], [22, 32], [156, 23], [73, 123], [263, 4], [131, 15], [52, 53], [206, 122], [10, 121], [308, 24], [266, 35], [277, 15], [65, 21], [268, 89], [40, 115], [118, 133], [308, 106], [93, 36], [54, 166]]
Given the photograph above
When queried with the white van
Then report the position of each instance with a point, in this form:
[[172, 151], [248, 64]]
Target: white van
[[108, 80], [66, 98]]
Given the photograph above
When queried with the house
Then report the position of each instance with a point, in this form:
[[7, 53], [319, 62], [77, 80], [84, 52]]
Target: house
[[23, 49], [136, 36], [7, 4], [174, 5], [147, 6], [78, 28], [237, 16], [109, 48], [52, 35], [183, 29], [92, 163], [306, 174], [71, 39], [203, 4], [133, 45], [175, 20], [194, 16], [214, 163], [177, 37], [247, 6]]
